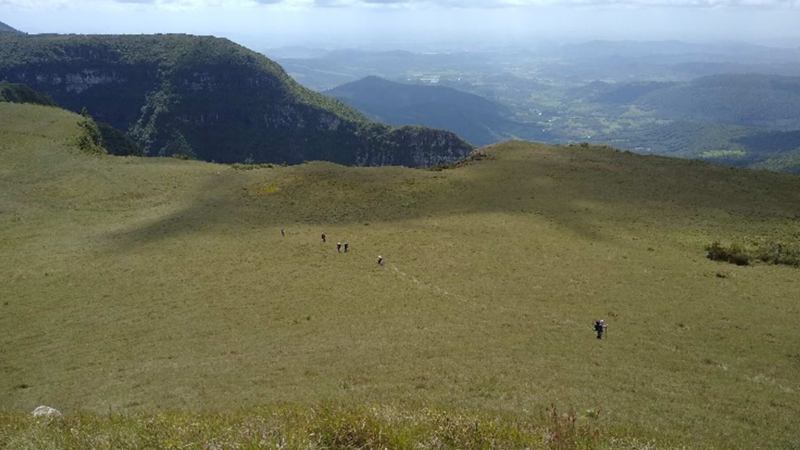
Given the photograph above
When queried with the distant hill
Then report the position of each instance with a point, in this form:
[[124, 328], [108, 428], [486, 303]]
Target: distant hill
[[210, 99], [344, 66], [677, 50], [757, 100], [730, 145], [474, 118], [774, 150], [743, 120], [112, 140], [20, 93], [739, 99], [5, 28]]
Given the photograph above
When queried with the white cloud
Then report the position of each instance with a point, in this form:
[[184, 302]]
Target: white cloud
[[43, 4], [396, 23], [393, 4], [780, 4]]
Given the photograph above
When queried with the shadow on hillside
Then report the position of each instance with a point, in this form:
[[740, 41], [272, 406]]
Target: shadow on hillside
[[218, 204], [225, 207], [593, 195]]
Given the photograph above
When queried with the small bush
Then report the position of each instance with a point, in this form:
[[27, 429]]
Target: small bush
[[735, 254], [776, 253], [246, 166], [769, 252], [442, 166], [90, 139], [475, 155]]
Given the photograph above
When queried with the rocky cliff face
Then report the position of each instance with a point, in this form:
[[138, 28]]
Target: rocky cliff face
[[211, 99]]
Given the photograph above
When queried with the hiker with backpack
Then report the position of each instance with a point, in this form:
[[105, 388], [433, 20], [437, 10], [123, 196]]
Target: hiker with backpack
[[346, 247], [599, 327]]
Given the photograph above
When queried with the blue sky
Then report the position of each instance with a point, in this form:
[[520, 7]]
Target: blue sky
[[402, 23]]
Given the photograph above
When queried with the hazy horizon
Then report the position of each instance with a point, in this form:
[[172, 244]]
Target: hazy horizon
[[419, 25]]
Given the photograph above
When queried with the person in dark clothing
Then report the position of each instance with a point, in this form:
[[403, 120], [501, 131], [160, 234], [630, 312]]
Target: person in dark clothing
[[283, 232], [346, 247], [599, 328], [323, 237], [339, 247], [380, 260]]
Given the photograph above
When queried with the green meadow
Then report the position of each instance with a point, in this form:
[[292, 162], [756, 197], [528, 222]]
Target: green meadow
[[134, 286]]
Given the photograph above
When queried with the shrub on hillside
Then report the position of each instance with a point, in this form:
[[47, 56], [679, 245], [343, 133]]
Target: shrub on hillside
[[252, 166], [770, 252], [776, 253], [117, 143], [734, 254], [442, 166], [476, 155], [90, 139]]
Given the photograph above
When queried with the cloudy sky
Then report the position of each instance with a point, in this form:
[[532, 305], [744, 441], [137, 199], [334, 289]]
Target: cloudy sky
[[405, 23]]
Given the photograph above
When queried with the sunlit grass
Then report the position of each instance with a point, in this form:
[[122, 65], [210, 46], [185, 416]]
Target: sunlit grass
[[322, 427], [722, 153], [139, 285]]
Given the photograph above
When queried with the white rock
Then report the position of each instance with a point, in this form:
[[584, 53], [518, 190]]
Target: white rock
[[46, 411]]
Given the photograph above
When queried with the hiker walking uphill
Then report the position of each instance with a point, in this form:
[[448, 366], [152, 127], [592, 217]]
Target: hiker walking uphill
[[339, 247], [283, 232], [599, 327], [323, 237], [346, 247], [380, 260]]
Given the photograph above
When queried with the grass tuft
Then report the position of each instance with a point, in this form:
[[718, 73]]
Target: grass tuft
[[768, 252], [319, 427]]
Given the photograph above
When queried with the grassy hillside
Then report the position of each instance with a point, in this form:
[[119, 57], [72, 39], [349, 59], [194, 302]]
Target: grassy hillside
[[323, 427], [474, 118], [211, 99], [139, 284]]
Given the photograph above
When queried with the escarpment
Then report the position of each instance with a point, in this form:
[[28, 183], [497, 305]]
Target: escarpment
[[211, 99]]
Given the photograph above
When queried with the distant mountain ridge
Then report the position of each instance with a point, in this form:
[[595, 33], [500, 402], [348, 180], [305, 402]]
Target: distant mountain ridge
[[737, 99], [5, 28], [750, 99], [476, 119], [211, 99], [601, 49]]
